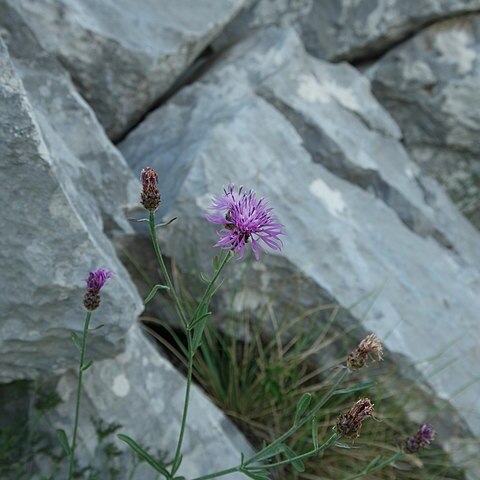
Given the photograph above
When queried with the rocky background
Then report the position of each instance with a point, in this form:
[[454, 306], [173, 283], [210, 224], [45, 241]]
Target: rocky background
[[358, 119]]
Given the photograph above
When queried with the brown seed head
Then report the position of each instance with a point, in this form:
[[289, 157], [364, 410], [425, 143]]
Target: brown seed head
[[150, 197], [350, 423], [369, 347], [91, 300]]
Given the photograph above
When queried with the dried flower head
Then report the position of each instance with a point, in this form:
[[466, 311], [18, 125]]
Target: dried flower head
[[95, 281], [150, 197], [369, 347], [244, 219], [350, 423], [424, 436]]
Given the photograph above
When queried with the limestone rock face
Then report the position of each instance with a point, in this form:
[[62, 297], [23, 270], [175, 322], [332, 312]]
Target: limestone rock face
[[142, 392], [430, 85], [311, 138], [124, 55], [63, 186], [344, 29]]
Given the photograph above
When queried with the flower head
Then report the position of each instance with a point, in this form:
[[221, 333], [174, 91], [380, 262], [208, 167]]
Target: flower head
[[424, 436], [150, 197], [350, 423], [369, 347], [245, 219], [95, 281]]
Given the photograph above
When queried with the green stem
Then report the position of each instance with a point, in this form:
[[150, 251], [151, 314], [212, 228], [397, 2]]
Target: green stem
[[176, 463], [333, 438], [287, 434], [166, 276], [210, 286], [191, 354], [219, 473], [387, 462], [306, 419], [79, 387]]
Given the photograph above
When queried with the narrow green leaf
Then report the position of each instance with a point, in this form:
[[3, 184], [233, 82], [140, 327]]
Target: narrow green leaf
[[96, 328], [216, 262], [257, 474], [197, 335], [87, 365], [269, 452], [297, 464], [197, 320], [302, 406], [355, 388], [179, 478], [204, 278], [76, 340], [153, 292], [144, 454], [62, 438], [315, 432], [165, 224], [176, 464], [373, 463], [344, 445]]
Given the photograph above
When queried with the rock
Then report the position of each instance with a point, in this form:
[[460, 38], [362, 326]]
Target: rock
[[123, 56], [362, 223], [142, 392], [344, 29], [63, 184], [430, 85]]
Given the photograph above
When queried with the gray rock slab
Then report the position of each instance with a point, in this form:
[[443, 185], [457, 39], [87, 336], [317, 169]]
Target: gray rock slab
[[63, 185], [124, 55], [430, 86], [362, 222], [344, 29], [140, 390]]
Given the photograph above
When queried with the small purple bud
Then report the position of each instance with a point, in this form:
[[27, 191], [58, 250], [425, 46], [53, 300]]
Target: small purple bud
[[424, 436], [95, 281]]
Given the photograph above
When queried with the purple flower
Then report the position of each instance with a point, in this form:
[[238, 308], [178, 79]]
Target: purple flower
[[245, 219], [426, 433], [96, 280], [424, 436]]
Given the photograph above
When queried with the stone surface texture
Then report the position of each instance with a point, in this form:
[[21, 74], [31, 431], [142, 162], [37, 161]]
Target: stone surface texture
[[63, 185], [344, 29], [430, 84], [131, 390], [124, 55], [311, 138]]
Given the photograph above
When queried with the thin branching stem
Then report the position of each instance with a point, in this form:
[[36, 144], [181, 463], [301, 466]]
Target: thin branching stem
[[303, 421], [186, 403], [79, 388], [331, 440], [163, 268], [191, 354]]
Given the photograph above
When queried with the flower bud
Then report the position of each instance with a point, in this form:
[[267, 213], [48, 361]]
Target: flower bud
[[95, 281], [349, 424], [150, 197], [424, 436], [369, 347]]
